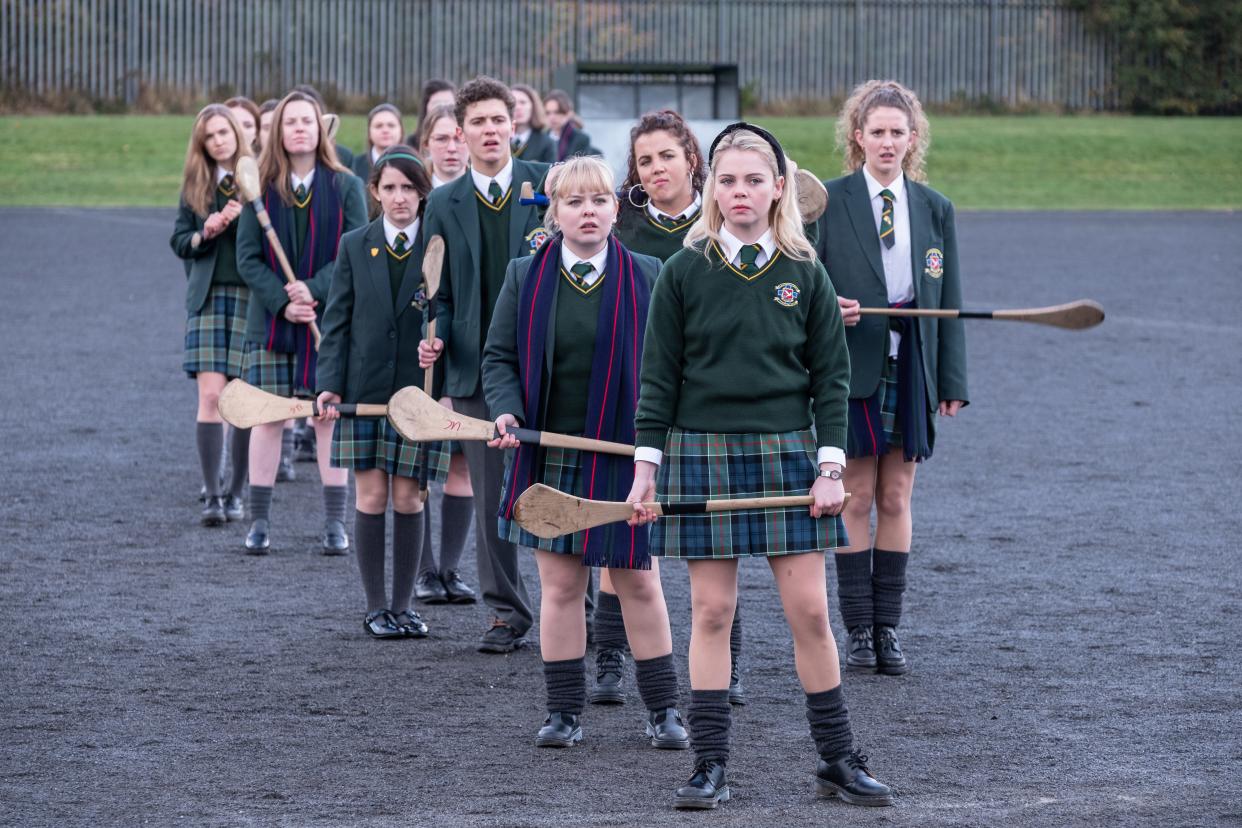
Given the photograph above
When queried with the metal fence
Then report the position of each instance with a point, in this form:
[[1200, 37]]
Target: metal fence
[[1011, 52]]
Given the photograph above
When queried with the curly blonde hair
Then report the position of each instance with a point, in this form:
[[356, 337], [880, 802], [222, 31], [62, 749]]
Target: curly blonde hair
[[867, 97]]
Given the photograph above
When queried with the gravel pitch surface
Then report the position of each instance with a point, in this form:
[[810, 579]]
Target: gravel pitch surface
[[1074, 586]]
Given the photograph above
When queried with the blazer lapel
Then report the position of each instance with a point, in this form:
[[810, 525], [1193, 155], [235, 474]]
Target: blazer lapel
[[920, 229], [377, 267], [466, 211], [858, 205], [413, 276]]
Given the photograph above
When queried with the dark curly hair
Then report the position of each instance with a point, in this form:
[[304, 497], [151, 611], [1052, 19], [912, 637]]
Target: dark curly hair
[[666, 120], [482, 88]]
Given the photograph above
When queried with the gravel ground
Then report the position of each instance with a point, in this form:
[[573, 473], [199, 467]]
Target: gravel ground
[[1070, 609]]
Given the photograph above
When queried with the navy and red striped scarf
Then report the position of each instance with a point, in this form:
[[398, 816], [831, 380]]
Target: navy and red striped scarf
[[917, 435], [323, 236], [612, 397]]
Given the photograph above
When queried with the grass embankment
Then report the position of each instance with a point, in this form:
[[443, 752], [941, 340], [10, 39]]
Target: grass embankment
[[981, 162]]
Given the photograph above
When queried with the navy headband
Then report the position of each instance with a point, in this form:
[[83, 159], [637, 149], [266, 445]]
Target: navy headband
[[762, 133]]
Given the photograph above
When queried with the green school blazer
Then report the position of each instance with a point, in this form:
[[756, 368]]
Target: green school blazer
[[200, 264], [452, 212], [501, 382], [370, 343], [538, 147], [267, 288], [849, 247]]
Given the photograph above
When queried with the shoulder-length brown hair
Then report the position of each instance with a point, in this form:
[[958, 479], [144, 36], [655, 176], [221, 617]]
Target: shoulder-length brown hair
[[867, 97], [274, 166], [242, 102], [198, 178], [538, 120]]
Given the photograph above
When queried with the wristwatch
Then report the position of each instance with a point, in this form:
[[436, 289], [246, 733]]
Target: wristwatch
[[831, 474]]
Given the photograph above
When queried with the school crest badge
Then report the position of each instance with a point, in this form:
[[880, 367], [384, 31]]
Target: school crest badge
[[374, 252], [535, 238], [786, 294], [933, 263]]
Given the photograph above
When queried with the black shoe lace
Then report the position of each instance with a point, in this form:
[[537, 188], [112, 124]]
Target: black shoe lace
[[609, 662], [858, 760]]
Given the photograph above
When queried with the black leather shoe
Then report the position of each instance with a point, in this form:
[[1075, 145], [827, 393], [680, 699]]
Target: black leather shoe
[[889, 658], [285, 472], [304, 441], [666, 729], [860, 649], [706, 789], [609, 669], [334, 540], [457, 590], [234, 509], [213, 512], [501, 638], [430, 589], [381, 624], [411, 624], [257, 541], [848, 779], [559, 730], [737, 693]]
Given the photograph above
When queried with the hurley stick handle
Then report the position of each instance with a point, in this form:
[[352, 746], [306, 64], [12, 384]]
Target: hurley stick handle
[[265, 222]]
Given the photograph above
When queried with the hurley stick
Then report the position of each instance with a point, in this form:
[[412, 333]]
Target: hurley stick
[[433, 264], [244, 406], [247, 175], [418, 417], [546, 512], [1085, 313], [812, 196]]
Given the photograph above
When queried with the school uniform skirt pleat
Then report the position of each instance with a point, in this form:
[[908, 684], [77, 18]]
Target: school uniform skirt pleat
[[364, 443], [864, 441], [215, 337], [275, 372], [700, 466]]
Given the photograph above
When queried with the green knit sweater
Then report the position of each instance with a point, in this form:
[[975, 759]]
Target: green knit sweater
[[577, 317], [494, 229], [729, 354], [639, 232]]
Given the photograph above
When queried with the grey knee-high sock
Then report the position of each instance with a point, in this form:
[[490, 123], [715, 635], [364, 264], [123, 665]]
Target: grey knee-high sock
[[735, 635], [710, 718], [426, 556], [334, 503], [566, 683], [286, 443], [407, 542], [657, 681], [239, 448], [609, 623], [456, 515], [888, 582], [854, 587], [260, 502], [830, 723], [210, 439], [369, 541]]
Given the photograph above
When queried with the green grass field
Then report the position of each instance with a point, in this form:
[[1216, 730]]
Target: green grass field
[[981, 162]]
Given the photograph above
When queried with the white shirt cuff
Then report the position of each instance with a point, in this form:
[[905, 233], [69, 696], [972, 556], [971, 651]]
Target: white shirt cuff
[[827, 454], [651, 455]]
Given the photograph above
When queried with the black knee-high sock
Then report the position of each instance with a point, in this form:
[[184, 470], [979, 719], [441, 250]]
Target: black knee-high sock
[[456, 515], [239, 448], [735, 636], [609, 623], [407, 542], [710, 718], [657, 681], [888, 582], [210, 439], [830, 723], [260, 502], [369, 541], [566, 683], [854, 587], [426, 555], [334, 498]]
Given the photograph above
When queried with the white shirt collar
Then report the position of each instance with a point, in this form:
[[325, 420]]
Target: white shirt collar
[[391, 230], [504, 178], [221, 172], [897, 188], [521, 137], [655, 212], [598, 261], [375, 154], [306, 182], [733, 245]]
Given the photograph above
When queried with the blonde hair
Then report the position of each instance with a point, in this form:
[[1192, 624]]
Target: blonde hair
[[580, 174], [198, 178], [274, 166], [865, 98], [783, 217]]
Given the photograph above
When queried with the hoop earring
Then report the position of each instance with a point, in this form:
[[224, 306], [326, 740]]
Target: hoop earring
[[629, 196]]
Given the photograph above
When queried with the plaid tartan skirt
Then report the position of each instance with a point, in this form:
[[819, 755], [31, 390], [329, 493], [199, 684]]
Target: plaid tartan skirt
[[362, 443], [887, 398], [273, 371], [560, 470], [215, 337], [706, 466]]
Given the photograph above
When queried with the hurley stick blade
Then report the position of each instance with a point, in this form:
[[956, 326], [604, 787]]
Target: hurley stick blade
[[244, 406], [546, 512], [331, 125], [418, 417], [247, 176], [433, 265], [812, 197], [1074, 316]]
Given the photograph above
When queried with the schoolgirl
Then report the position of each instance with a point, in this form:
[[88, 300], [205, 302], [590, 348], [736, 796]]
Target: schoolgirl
[[371, 330], [247, 114], [562, 355], [744, 352], [216, 297], [266, 109], [889, 240], [312, 200], [436, 92], [565, 127], [530, 138], [442, 146], [384, 130]]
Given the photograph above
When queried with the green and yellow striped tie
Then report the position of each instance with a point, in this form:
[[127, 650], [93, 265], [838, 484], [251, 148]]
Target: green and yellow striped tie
[[581, 271], [401, 240], [749, 256], [887, 235], [494, 192]]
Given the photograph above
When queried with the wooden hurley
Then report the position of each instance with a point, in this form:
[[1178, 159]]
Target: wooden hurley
[[527, 196], [812, 196], [247, 175], [244, 406], [433, 264], [546, 512], [416, 416], [1085, 313]]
